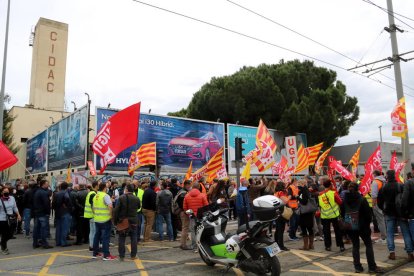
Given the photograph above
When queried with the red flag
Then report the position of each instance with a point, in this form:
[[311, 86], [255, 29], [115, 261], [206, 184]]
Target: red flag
[[393, 161], [331, 171], [373, 163], [117, 134], [7, 158], [335, 165], [399, 167], [91, 167]]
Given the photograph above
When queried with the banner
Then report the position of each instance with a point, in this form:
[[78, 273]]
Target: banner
[[291, 151], [36, 153], [373, 163], [67, 141], [180, 140]]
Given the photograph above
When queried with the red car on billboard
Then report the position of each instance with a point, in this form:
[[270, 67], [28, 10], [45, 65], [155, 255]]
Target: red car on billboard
[[194, 145]]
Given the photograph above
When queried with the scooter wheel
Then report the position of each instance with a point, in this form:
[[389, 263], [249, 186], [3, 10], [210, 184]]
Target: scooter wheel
[[205, 259]]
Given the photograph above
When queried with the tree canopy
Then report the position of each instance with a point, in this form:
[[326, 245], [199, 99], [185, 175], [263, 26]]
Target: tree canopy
[[7, 131], [289, 96]]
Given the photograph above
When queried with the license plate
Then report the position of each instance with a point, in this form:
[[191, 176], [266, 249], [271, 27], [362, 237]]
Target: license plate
[[273, 249], [178, 151]]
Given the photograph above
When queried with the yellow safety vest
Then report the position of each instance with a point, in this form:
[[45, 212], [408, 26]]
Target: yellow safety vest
[[139, 194], [369, 199], [329, 208], [101, 211], [88, 213]]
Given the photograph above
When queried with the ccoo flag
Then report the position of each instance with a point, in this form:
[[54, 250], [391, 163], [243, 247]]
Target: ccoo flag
[[117, 134]]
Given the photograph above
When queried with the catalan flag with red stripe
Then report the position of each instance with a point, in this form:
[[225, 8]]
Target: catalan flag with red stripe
[[215, 164], [303, 159], [399, 119], [313, 153], [321, 159], [355, 161], [144, 156], [263, 134]]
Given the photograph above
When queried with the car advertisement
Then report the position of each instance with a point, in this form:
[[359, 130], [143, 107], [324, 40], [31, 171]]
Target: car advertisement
[[36, 153], [67, 141], [248, 134], [179, 141]]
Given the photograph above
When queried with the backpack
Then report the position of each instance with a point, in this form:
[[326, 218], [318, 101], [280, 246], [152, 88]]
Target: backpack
[[176, 209], [399, 202], [350, 221]]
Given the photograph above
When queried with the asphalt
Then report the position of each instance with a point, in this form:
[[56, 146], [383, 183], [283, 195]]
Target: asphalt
[[165, 258]]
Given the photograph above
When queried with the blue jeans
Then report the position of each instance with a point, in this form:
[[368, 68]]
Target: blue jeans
[[140, 229], [160, 219], [405, 230], [92, 232], [26, 219], [102, 235], [293, 225], [40, 230], [62, 229]]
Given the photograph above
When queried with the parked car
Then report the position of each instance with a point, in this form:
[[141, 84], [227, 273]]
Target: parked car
[[194, 145]]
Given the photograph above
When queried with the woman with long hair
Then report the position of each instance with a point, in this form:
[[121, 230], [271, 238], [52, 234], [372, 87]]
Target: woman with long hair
[[306, 220]]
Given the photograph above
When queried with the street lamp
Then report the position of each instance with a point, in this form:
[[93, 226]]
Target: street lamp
[[380, 127], [74, 105]]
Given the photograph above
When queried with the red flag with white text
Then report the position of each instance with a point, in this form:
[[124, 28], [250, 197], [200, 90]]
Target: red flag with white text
[[373, 163], [337, 166], [117, 134]]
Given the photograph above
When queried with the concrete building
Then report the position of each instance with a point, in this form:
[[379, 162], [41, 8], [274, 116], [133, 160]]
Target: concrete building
[[47, 86], [345, 153]]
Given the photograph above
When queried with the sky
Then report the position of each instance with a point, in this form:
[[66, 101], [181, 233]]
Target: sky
[[122, 51]]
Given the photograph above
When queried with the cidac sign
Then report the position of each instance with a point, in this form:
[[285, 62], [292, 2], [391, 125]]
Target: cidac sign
[[291, 150], [50, 86]]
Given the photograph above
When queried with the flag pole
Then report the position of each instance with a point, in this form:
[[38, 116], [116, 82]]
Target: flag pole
[[20, 162]]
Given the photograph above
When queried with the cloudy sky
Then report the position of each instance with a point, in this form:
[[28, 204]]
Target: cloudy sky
[[122, 51]]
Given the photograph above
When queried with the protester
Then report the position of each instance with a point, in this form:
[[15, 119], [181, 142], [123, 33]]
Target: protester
[[393, 216], [218, 191], [127, 207], [175, 219], [243, 206], [62, 205], [139, 193], [102, 209], [408, 204], [281, 193], [149, 209], [314, 188], [306, 220], [164, 203], [185, 221], [8, 207], [255, 189], [41, 212], [88, 213], [376, 186], [232, 194], [293, 193], [193, 200], [28, 207], [329, 202], [18, 194], [82, 227], [357, 206]]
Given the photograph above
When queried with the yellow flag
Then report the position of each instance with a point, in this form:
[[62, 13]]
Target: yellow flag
[[246, 172], [69, 173], [189, 171]]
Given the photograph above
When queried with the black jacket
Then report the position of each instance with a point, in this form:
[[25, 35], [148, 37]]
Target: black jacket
[[41, 203], [80, 200], [408, 198], [62, 203], [304, 195], [127, 207], [352, 200], [149, 200], [386, 198]]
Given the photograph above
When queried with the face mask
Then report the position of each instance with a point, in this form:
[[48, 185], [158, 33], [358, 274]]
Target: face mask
[[6, 195]]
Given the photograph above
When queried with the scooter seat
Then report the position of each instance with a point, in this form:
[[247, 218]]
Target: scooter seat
[[242, 228]]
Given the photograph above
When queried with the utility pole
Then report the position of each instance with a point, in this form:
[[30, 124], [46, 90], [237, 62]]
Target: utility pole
[[380, 129], [398, 79], [3, 76]]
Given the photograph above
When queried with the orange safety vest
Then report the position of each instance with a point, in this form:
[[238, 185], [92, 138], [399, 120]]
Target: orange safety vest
[[379, 182], [293, 203], [203, 188]]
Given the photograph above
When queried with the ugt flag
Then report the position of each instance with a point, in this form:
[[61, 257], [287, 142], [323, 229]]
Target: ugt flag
[[117, 134]]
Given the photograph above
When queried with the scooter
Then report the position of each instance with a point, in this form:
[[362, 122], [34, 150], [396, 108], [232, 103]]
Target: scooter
[[251, 249]]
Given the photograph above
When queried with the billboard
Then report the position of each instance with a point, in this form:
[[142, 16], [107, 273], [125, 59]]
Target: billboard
[[179, 140], [36, 153], [67, 141], [248, 134]]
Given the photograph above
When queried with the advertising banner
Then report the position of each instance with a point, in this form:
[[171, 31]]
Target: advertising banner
[[179, 141], [36, 153], [291, 151], [67, 141], [248, 134]]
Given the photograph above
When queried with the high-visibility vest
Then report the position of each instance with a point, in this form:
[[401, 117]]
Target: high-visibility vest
[[139, 194], [329, 208], [368, 195], [100, 210], [293, 203], [88, 213]]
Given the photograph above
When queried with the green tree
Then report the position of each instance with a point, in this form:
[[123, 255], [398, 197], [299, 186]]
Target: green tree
[[7, 131], [290, 96]]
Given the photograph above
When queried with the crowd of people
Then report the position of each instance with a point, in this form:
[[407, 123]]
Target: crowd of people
[[91, 214]]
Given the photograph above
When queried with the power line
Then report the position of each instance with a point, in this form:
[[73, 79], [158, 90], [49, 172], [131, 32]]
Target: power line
[[388, 12], [304, 36], [262, 41]]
